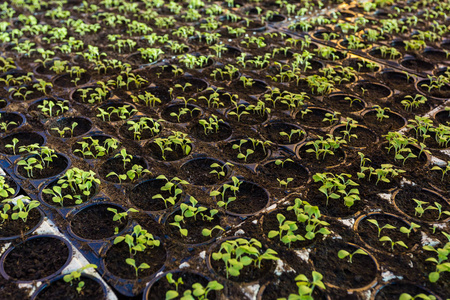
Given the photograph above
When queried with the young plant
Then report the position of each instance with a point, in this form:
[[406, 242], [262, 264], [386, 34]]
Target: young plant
[[172, 187], [239, 253], [223, 192], [5, 189], [343, 254], [306, 287], [20, 209], [75, 276], [375, 222], [220, 170], [139, 240], [198, 291], [191, 211], [442, 260], [393, 243]]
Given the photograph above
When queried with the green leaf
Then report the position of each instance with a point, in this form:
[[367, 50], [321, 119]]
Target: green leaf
[[433, 276], [171, 295], [342, 254]]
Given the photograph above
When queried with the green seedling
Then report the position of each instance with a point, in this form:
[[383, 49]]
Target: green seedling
[[75, 276], [387, 226], [239, 253], [343, 254], [392, 243]]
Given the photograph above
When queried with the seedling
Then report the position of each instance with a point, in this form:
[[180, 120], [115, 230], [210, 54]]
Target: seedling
[[177, 140], [343, 254], [392, 243], [421, 296], [172, 187], [286, 231], [197, 292], [222, 171], [234, 188], [75, 276], [148, 98], [239, 253], [442, 260], [306, 287], [91, 147], [47, 107], [322, 147], [62, 132], [191, 211], [292, 133], [387, 226], [282, 162], [211, 125], [5, 189], [408, 230], [138, 241], [22, 209], [139, 126]]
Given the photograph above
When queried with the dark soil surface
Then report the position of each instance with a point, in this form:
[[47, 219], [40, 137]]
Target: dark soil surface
[[61, 290], [30, 260]]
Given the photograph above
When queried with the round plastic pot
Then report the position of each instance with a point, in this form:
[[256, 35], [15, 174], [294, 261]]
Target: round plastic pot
[[4, 273], [84, 275]]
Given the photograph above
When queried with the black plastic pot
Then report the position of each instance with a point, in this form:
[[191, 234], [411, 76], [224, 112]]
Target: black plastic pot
[[61, 128], [25, 139], [47, 285], [7, 119], [188, 276], [37, 276], [99, 232]]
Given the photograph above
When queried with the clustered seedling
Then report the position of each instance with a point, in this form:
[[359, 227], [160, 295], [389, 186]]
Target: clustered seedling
[[138, 127], [75, 276], [250, 150], [307, 216], [91, 147], [306, 287], [191, 210], [442, 262], [172, 187], [75, 184], [19, 210], [5, 189], [336, 185], [53, 108], [176, 141], [139, 240], [387, 239], [385, 173], [225, 191], [39, 157], [239, 253], [196, 291], [323, 146]]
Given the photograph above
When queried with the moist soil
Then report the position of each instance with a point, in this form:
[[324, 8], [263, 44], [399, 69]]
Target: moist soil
[[18, 227], [68, 202], [96, 222], [404, 201], [142, 195], [161, 286], [339, 272], [249, 199], [368, 233], [118, 253], [61, 290], [56, 166], [31, 260]]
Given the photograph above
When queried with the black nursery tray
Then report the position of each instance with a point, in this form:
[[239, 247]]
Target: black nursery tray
[[211, 85]]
